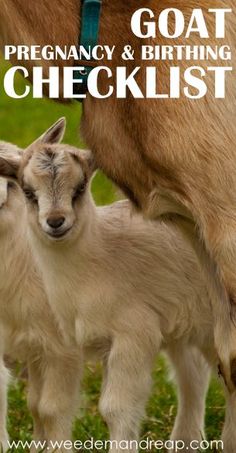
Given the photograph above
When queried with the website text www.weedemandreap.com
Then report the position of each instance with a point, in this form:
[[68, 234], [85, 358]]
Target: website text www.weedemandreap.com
[[104, 445]]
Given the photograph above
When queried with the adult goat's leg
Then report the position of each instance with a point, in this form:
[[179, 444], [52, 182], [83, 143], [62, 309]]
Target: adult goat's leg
[[229, 432], [218, 270], [224, 247], [224, 325]]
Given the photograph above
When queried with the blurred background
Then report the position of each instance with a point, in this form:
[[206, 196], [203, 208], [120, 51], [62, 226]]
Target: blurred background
[[21, 122]]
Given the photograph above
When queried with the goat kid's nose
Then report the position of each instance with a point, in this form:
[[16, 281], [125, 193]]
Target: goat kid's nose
[[56, 222]]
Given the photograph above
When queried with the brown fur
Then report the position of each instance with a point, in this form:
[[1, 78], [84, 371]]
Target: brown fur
[[168, 155]]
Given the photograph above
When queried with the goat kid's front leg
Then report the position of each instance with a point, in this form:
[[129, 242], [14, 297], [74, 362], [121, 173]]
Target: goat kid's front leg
[[126, 387], [58, 401], [3, 406], [192, 374]]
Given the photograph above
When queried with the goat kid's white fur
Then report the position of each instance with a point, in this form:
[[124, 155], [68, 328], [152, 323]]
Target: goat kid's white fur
[[28, 329], [120, 287]]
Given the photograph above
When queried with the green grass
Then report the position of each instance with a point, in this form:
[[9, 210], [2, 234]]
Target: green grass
[[22, 122]]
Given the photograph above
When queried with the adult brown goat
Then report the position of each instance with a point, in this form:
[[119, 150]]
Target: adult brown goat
[[174, 156]]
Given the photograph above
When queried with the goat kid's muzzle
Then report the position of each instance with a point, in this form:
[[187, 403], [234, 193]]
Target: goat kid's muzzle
[[56, 227]]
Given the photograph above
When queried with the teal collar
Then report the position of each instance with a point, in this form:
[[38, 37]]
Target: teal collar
[[90, 22]]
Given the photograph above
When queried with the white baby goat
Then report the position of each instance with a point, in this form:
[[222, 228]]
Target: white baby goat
[[122, 288], [28, 329]]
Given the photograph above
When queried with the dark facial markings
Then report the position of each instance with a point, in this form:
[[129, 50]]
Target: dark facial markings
[[79, 190], [30, 194], [47, 162], [11, 185]]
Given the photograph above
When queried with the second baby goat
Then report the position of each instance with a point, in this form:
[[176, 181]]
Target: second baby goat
[[28, 328]]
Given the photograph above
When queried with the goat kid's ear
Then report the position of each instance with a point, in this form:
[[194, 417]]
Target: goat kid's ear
[[54, 134], [90, 161], [9, 167]]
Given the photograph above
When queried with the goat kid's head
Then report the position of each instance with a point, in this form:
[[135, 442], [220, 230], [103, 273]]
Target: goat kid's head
[[11, 199], [55, 180]]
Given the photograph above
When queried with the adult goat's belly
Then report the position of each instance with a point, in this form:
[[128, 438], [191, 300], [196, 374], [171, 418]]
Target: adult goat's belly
[[176, 145]]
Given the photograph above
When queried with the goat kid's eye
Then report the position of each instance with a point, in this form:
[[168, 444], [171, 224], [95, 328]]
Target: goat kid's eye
[[11, 185], [30, 195], [78, 191]]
